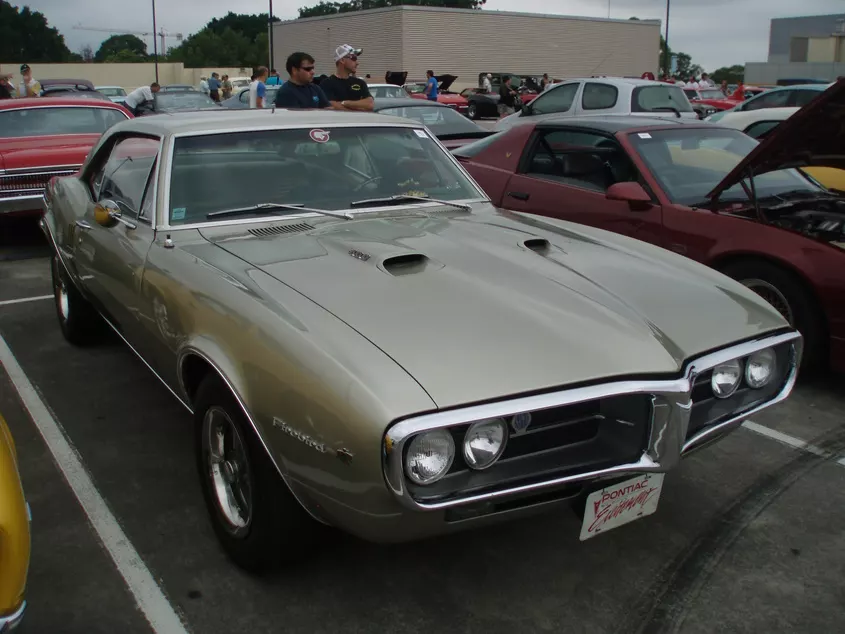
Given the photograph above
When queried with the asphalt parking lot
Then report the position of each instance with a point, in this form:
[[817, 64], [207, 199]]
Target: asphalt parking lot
[[748, 536]]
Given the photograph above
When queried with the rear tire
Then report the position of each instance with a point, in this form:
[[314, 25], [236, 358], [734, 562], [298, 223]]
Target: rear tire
[[80, 322], [789, 295], [472, 111], [256, 518]]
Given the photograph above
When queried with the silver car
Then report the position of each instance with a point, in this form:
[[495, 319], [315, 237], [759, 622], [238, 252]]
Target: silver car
[[604, 96]]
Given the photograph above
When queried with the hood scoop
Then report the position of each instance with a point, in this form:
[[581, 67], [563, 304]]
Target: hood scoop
[[266, 232], [538, 245], [407, 264]]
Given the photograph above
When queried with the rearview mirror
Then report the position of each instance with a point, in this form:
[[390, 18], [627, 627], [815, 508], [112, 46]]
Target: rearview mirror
[[631, 193], [106, 213]]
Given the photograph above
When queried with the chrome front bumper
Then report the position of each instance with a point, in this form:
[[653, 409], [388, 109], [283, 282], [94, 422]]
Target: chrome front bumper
[[22, 204], [9, 623]]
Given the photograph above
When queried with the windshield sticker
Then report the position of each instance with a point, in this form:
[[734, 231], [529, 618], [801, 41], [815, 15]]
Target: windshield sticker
[[644, 135], [421, 133], [179, 213], [320, 136]]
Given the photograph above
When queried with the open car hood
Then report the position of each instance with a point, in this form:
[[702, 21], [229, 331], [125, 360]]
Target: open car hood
[[396, 78], [813, 136], [444, 82]]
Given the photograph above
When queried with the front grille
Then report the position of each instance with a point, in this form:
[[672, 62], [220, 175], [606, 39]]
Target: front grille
[[30, 182], [560, 441]]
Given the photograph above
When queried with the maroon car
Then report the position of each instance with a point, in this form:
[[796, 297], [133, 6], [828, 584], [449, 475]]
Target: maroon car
[[709, 193]]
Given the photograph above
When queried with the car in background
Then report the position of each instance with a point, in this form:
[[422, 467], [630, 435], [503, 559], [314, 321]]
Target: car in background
[[77, 84], [15, 539], [178, 101], [786, 97], [41, 138], [240, 98], [454, 100], [706, 101], [618, 96], [451, 128], [116, 93], [240, 82], [74, 88], [685, 186], [387, 91], [482, 104], [363, 340], [179, 88]]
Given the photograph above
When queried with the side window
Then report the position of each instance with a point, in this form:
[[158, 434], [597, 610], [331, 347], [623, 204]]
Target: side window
[[776, 99], [127, 171], [599, 96], [801, 98], [761, 129], [148, 205], [244, 96], [581, 159], [558, 99]]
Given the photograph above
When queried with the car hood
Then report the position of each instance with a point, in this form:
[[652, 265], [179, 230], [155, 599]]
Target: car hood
[[813, 136], [396, 77], [69, 149], [444, 82], [472, 313]]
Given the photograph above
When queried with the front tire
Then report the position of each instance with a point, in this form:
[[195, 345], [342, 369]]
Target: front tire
[[472, 111], [80, 323], [256, 518]]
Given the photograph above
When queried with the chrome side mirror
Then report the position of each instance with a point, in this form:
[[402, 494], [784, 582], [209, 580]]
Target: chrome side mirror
[[107, 213]]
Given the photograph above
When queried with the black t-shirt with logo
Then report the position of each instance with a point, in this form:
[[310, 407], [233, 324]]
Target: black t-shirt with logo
[[349, 89], [506, 97], [291, 95]]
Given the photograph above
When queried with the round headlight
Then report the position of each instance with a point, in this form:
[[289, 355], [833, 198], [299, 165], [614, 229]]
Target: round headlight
[[760, 368], [726, 378], [429, 456], [484, 442]]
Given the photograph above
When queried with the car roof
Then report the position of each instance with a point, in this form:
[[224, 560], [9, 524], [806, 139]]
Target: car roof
[[614, 124], [52, 102], [406, 102], [634, 81], [234, 120]]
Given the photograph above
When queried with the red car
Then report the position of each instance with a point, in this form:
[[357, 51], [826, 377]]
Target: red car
[[41, 138], [717, 100], [444, 96], [710, 193]]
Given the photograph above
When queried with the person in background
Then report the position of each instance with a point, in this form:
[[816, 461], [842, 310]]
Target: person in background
[[430, 86], [343, 89], [29, 87], [204, 88], [507, 98], [214, 87], [226, 87], [705, 81], [300, 91], [139, 96], [486, 84], [257, 89], [544, 82], [273, 79], [6, 88], [724, 88]]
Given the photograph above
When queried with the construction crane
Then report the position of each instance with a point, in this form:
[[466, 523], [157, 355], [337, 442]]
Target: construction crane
[[162, 33]]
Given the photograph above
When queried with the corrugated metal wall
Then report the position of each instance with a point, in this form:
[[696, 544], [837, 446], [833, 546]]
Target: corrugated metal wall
[[465, 43], [378, 32]]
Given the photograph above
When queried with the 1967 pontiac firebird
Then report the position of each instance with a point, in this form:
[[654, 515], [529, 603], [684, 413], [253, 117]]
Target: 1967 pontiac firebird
[[365, 341]]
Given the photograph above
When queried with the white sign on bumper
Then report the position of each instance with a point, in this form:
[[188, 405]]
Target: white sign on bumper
[[621, 503]]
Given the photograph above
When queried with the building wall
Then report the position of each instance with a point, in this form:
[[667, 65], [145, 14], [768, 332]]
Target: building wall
[[378, 32], [765, 73], [129, 76], [782, 30], [466, 43]]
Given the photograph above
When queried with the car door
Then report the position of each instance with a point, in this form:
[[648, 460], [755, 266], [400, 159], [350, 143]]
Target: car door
[[773, 99], [597, 98], [558, 100], [565, 173], [110, 257]]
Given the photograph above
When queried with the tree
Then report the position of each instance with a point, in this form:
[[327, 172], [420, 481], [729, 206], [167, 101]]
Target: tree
[[731, 74], [686, 68], [330, 8], [131, 44], [26, 37], [87, 53], [235, 40]]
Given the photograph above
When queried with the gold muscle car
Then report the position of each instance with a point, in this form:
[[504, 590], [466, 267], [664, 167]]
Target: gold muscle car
[[14, 535], [364, 341]]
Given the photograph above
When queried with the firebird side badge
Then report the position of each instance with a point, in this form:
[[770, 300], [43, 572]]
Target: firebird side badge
[[520, 422], [343, 454]]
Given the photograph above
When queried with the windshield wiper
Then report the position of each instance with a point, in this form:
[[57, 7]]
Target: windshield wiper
[[260, 207], [372, 202]]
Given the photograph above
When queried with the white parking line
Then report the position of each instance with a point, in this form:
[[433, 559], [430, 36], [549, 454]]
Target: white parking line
[[148, 595], [792, 441], [6, 302]]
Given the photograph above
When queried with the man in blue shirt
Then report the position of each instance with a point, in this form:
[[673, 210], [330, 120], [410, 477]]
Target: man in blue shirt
[[300, 91], [214, 86], [273, 79], [430, 86]]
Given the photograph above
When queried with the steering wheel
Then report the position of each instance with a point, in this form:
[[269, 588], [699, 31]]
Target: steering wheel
[[372, 179]]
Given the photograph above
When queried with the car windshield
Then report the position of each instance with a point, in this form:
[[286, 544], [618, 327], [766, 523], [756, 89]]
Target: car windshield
[[112, 92], [711, 94], [387, 92], [48, 121], [415, 89], [441, 121], [321, 168], [689, 163], [662, 98], [183, 101]]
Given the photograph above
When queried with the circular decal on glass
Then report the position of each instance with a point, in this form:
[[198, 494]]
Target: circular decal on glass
[[320, 136]]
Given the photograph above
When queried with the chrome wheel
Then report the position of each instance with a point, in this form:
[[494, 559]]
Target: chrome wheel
[[228, 470], [60, 291], [771, 294]]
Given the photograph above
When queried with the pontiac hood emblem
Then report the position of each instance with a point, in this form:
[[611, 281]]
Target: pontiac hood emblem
[[520, 422]]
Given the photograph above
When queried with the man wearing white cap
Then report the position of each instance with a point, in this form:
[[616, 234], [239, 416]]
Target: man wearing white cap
[[344, 90]]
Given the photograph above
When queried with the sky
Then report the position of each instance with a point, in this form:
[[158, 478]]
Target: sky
[[714, 32]]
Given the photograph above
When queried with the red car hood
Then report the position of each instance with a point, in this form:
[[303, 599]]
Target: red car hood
[[815, 135], [722, 104], [451, 98], [46, 151]]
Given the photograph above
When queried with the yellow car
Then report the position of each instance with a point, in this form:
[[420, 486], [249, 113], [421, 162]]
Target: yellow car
[[14, 535]]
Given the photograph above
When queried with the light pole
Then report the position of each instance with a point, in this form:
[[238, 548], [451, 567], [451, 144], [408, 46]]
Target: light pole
[[272, 63], [666, 67], [155, 41]]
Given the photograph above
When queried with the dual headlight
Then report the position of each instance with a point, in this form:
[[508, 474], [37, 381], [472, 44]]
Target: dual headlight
[[430, 455], [758, 370]]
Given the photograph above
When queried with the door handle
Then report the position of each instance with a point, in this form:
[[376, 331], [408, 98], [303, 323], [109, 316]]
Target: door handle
[[519, 195], [82, 224]]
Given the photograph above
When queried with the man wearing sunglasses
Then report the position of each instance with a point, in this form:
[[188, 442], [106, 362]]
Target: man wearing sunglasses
[[300, 91], [344, 90]]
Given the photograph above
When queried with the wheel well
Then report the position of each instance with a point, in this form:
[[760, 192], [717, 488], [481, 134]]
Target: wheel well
[[194, 369]]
